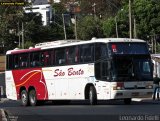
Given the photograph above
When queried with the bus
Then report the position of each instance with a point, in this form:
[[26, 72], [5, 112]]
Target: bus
[[65, 70]]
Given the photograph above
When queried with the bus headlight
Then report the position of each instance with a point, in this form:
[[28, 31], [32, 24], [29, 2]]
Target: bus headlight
[[118, 86]]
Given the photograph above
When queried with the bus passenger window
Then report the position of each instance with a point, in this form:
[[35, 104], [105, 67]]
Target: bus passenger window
[[71, 55], [16, 59], [23, 60], [102, 70], [35, 60], [9, 62], [46, 58], [86, 53], [60, 56], [101, 51]]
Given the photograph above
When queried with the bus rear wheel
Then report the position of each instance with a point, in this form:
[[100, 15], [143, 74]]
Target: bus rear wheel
[[24, 98], [92, 96], [32, 97]]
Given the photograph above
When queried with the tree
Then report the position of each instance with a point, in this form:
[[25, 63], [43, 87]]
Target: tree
[[109, 27], [9, 15], [57, 26], [146, 14], [89, 27], [32, 24]]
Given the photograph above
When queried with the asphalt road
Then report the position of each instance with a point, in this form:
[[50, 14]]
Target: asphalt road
[[145, 110]]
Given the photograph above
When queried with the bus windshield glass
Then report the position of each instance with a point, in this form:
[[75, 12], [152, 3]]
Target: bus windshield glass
[[128, 48], [132, 68]]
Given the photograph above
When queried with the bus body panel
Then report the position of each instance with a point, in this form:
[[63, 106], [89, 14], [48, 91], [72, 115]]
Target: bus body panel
[[30, 78], [10, 86], [103, 90], [67, 82]]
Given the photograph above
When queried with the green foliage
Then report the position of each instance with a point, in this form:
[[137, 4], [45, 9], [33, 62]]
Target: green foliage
[[32, 27], [146, 14], [28, 44], [58, 8], [89, 27], [109, 27]]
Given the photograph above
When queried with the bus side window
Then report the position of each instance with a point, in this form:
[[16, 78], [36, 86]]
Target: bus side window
[[102, 70], [101, 51], [35, 59], [86, 53], [71, 55], [9, 62], [97, 52], [46, 58], [15, 61], [60, 56], [23, 60]]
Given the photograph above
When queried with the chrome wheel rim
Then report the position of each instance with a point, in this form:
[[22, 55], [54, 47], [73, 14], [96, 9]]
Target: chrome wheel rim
[[24, 98]]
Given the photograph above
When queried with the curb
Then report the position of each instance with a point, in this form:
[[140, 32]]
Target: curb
[[3, 100], [3, 115]]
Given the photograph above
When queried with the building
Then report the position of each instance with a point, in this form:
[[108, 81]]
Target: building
[[43, 7]]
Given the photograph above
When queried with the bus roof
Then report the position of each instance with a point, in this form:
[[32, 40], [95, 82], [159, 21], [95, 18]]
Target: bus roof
[[63, 43]]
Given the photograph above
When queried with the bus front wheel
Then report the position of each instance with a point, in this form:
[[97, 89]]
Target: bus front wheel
[[24, 98], [92, 96], [32, 97]]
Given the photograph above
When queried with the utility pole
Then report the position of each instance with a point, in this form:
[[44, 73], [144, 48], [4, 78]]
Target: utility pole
[[94, 9], [130, 20], [22, 35], [155, 44], [75, 27], [116, 27], [64, 28], [152, 40], [19, 37], [135, 32]]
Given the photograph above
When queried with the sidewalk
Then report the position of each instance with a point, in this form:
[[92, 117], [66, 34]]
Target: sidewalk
[[2, 112], [3, 115], [3, 99]]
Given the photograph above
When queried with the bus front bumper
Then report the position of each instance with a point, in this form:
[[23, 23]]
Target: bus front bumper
[[139, 93]]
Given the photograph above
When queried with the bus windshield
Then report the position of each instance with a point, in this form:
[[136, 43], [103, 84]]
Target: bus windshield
[[132, 68], [128, 48]]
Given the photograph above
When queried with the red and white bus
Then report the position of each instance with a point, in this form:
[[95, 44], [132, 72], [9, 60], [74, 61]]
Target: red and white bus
[[97, 69]]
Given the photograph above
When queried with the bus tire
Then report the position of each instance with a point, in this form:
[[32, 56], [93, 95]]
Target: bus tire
[[32, 97], [24, 98], [92, 96], [127, 101]]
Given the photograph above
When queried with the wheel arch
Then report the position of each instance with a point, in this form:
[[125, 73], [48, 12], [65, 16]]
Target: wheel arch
[[86, 92], [31, 88]]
